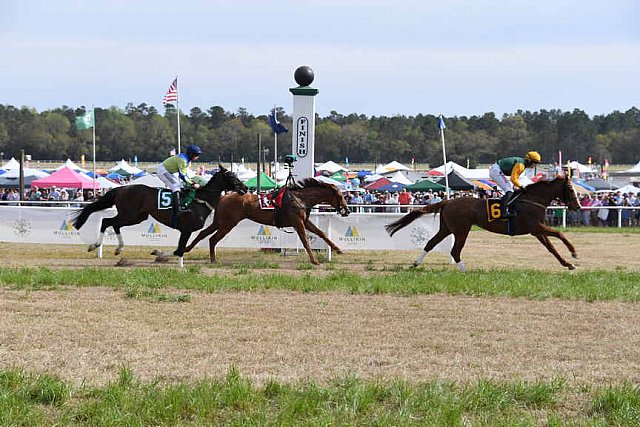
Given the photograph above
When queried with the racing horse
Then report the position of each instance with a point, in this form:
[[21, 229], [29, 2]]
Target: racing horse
[[136, 202], [459, 214], [233, 208]]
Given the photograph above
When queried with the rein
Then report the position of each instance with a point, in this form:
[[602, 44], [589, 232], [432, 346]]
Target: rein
[[530, 202], [207, 204]]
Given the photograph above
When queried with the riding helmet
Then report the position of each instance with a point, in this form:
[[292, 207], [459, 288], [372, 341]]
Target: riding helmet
[[533, 156], [193, 150]]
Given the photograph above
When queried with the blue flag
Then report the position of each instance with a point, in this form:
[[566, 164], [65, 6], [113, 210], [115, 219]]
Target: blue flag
[[441, 125], [276, 126]]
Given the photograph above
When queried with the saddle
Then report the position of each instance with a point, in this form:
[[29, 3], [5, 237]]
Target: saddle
[[275, 201]]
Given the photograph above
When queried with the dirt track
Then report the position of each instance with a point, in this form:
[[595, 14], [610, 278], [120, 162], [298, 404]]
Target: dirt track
[[89, 334]]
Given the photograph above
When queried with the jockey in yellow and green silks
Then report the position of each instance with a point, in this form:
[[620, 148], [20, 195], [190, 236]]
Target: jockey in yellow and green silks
[[173, 172], [505, 173]]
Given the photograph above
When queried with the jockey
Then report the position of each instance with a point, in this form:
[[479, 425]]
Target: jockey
[[511, 167], [167, 171]]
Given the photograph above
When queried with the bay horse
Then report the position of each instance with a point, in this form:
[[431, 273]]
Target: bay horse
[[459, 214], [136, 202], [233, 208]]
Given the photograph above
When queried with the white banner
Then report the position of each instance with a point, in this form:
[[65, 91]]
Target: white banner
[[359, 231]]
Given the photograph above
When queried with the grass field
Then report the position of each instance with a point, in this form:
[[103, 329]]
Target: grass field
[[262, 339]]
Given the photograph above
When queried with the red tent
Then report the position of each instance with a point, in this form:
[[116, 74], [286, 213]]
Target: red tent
[[380, 182], [65, 178]]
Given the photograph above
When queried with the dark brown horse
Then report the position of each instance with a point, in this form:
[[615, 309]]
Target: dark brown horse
[[233, 208], [458, 215], [136, 202]]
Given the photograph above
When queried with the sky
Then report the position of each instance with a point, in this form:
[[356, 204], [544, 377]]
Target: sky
[[376, 57]]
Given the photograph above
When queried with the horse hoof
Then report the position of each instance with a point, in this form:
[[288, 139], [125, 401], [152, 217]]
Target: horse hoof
[[571, 267], [575, 255], [118, 252], [155, 252], [92, 248], [162, 259], [339, 252]]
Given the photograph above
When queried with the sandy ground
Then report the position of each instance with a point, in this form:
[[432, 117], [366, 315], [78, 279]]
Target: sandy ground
[[88, 335]]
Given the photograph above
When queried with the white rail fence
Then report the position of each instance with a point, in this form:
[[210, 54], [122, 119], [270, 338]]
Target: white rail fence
[[359, 231]]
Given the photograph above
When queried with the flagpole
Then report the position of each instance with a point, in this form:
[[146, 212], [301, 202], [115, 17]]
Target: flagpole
[[178, 113], [275, 148], [93, 113], [444, 156]]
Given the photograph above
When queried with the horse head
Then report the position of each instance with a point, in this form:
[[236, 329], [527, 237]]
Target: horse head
[[559, 188], [313, 192], [338, 202], [230, 181], [225, 180], [569, 196]]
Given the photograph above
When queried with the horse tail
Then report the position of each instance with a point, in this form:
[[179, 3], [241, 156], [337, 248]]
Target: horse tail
[[412, 216], [104, 202]]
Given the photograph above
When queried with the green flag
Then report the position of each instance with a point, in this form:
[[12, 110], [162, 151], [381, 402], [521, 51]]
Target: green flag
[[85, 121]]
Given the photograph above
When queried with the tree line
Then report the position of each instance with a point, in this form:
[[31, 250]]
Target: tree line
[[144, 132]]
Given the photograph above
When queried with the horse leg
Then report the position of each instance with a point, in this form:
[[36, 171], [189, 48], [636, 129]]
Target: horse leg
[[299, 227], [548, 231], [117, 223], [182, 242], [118, 250], [106, 223], [314, 229], [213, 240], [547, 244], [460, 237], [203, 233], [439, 237]]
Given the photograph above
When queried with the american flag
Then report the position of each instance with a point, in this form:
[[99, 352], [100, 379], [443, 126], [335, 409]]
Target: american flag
[[172, 93]]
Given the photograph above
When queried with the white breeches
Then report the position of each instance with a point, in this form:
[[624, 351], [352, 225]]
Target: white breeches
[[170, 180], [499, 178]]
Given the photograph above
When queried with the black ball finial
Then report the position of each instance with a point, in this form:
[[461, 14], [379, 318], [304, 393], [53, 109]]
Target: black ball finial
[[303, 75]]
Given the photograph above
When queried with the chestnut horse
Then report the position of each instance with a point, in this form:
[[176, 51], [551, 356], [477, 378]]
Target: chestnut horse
[[136, 202], [233, 208], [458, 215]]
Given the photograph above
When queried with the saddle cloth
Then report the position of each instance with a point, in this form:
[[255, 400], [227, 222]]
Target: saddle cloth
[[494, 211], [273, 200], [165, 198]]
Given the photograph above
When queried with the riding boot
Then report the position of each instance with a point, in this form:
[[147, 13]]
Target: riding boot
[[175, 208], [506, 213]]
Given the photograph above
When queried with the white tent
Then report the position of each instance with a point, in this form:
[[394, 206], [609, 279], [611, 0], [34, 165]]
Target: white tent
[[633, 170], [467, 173], [400, 178], [629, 188], [395, 166], [106, 183], [69, 163], [373, 177], [575, 165], [331, 167], [123, 166], [15, 173], [11, 164], [282, 175], [340, 185], [149, 180], [380, 170]]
